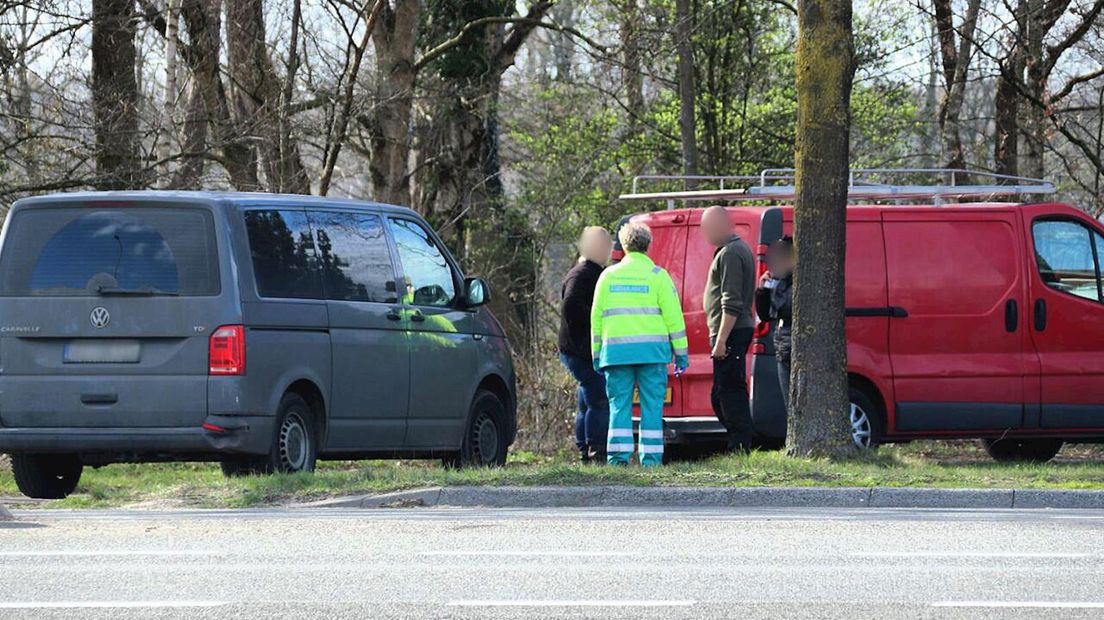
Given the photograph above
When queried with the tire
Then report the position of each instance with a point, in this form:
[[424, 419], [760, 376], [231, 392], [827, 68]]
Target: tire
[[294, 445], [1022, 450], [867, 421], [485, 440], [46, 476]]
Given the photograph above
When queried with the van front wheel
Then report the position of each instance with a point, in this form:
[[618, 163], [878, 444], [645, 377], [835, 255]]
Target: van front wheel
[[1011, 450], [484, 441], [46, 476]]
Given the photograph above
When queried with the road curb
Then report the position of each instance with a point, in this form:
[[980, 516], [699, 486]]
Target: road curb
[[718, 497], [5, 514]]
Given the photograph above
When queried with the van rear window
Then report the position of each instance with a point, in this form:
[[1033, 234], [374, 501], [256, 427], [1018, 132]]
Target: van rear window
[[80, 252]]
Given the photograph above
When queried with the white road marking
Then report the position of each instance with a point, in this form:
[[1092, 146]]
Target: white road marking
[[970, 554], [569, 603], [109, 604], [1023, 604], [566, 554], [97, 554]]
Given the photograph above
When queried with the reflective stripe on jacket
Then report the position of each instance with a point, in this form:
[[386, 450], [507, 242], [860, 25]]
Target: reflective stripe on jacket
[[636, 317]]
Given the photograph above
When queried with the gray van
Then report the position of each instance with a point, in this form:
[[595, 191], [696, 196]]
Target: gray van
[[260, 331]]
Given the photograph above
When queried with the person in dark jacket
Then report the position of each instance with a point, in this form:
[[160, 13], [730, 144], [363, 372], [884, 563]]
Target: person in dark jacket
[[728, 300], [774, 302], [577, 295]]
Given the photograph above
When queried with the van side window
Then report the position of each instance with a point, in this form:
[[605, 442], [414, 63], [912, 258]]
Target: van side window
[[354, 257], [429, 278], [282, 249], [1068, 257]]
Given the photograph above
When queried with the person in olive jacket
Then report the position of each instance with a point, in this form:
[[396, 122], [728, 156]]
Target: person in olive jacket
[[592, 419], [774, 302]]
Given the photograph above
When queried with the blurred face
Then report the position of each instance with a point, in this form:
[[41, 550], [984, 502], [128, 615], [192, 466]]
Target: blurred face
[[596, 245], [716, 227], [780, 260]]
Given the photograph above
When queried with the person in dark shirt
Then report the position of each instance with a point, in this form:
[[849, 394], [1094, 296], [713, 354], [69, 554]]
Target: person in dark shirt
[[577, 295], [774, 302], [728, 299]]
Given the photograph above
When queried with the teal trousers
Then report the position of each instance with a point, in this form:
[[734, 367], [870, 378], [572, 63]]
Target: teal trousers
[[651, 380]]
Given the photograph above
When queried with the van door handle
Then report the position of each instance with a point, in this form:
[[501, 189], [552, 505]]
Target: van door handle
[[393, 315], [417, 316], [1040, 315], [1011, 315]]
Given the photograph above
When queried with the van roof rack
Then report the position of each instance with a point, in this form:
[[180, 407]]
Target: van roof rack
[[864, 184]]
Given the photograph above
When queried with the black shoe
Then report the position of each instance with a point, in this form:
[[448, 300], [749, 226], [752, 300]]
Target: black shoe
[[584, 455], [597, 456]]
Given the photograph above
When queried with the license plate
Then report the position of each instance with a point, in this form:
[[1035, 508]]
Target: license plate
[[668, 398], [102, 352]]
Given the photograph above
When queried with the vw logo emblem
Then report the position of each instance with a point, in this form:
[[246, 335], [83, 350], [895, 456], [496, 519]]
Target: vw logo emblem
[[100, 317]]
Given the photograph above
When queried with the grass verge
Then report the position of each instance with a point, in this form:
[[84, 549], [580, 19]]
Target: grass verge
[[922, 464]]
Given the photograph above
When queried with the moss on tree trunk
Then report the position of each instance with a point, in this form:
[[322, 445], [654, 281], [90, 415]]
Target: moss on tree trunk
[[818, 420]]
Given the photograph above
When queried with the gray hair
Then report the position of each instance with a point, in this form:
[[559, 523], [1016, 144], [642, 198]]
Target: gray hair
[[635, 237]]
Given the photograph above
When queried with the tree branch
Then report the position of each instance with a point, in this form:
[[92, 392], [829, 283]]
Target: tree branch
[[1074, 82], [1054, 52], [532, 23], [340, 126]]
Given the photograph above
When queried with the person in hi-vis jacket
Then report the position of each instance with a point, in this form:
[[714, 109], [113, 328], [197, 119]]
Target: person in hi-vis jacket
[[636, 326]]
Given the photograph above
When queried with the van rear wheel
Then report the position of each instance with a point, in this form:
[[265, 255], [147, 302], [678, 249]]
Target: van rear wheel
[[866, 420], [484, 441], [294, 445], [46, 476], [1012, 450]]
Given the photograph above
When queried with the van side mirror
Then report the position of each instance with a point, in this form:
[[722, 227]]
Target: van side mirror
[[476, 292]]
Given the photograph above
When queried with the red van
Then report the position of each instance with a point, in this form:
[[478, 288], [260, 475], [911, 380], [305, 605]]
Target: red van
[[971, 320]]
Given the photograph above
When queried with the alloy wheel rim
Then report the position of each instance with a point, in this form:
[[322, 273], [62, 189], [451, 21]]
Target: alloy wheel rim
[[294, 446], [860, 426]]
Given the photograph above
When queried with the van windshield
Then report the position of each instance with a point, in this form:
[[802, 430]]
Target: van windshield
[[130, 251]]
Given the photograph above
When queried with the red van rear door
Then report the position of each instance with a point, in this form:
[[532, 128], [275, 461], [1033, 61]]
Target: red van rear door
[[1067, 316], [958, 358]]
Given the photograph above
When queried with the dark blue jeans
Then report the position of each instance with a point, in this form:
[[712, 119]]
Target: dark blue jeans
[[592, 419]]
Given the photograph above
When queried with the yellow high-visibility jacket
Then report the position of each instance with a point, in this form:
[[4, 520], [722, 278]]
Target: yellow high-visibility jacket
[[636, 317]]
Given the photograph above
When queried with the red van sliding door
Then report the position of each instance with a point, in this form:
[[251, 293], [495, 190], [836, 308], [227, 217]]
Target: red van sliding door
[[958, 357], [1067, 319]]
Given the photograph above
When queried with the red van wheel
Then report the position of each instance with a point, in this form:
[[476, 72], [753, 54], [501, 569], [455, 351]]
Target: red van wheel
[[866, 421]]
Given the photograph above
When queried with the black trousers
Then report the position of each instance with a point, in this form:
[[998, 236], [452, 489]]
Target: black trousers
[[730, 393]]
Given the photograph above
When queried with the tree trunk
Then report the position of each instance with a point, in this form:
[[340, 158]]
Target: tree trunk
[[1035, 116], [1006, 138], [563, 45], [202, 19], [390, 120], [818, 423], [172, 90], [956, 53], [115, 95], [687, 99], [257, 96], [193, 143], [1007, 125], [631, 74]]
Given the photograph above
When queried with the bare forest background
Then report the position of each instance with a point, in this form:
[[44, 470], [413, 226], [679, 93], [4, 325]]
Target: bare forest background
[[510, 125]]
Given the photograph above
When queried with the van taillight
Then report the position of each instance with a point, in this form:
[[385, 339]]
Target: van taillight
[[226, 350]]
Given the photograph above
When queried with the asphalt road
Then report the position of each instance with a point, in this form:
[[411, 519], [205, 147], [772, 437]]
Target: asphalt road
[[470, 563]]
